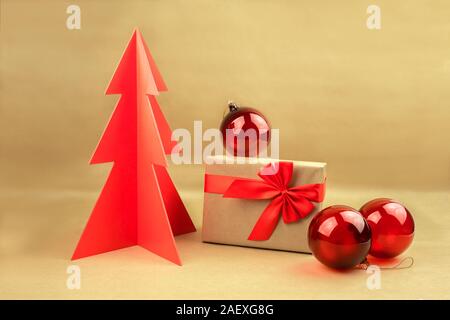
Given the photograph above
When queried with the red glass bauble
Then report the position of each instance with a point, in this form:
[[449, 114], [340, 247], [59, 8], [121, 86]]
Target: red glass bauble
[[248, 131], [339, 237], [392, 227]]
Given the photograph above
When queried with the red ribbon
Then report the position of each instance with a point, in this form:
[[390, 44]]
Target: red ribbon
[[292, 203]]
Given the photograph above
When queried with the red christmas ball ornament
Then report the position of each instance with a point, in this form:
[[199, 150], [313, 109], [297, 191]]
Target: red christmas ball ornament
[[392, 227], [245, 131], [339, 237]]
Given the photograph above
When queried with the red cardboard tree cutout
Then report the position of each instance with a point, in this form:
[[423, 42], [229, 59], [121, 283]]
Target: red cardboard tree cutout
[[139, 204]]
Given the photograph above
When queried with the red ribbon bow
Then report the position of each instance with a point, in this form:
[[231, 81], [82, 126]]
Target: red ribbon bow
[[292, 203]]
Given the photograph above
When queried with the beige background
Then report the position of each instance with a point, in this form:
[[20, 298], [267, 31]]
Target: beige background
[[374, 105]]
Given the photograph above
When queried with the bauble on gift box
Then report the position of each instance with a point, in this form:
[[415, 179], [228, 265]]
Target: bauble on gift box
[[245, 131]]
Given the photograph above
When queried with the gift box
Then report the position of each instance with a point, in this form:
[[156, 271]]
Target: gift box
[[262, 203]]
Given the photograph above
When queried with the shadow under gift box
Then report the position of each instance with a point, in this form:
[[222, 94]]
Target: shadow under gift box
[[230, 220]]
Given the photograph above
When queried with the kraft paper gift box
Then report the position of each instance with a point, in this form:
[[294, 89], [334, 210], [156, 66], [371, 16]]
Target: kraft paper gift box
[[268, 204]]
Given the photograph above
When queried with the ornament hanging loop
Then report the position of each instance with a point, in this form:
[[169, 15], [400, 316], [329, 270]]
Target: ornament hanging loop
[[405, 263]]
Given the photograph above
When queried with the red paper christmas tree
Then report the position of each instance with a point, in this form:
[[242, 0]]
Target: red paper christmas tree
[[139, 204]]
